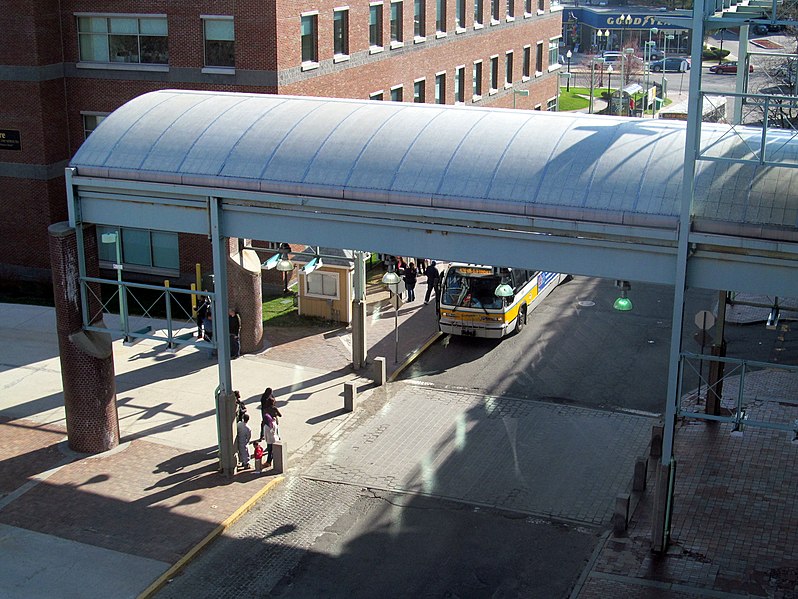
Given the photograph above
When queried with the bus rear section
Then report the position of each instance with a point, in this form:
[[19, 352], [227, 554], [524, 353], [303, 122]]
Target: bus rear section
[[484, 301]]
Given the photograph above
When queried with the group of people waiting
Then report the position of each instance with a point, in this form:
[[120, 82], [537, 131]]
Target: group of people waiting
[[410, 273], [269, 433]]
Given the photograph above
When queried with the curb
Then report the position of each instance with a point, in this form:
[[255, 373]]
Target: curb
[[195, 550], [414, 356]]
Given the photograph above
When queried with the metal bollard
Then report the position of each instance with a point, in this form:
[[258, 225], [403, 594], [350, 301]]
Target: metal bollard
[[279, 457], [656, 441], [350, 393], [620, 518], [379, 371], [641, 472]]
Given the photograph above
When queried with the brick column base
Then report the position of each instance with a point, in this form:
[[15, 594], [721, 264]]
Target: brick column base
[[87, 362], [245, 295]]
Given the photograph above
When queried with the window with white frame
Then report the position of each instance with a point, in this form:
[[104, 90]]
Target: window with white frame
[[554, 51], [341, 32], [527, 7], [508, 70], [397, 33], [460, 14], [510, 10], [141, 248], [143, 40], [494, 74], [551, 104], [440, 20], [419, 18], [477, 79], [541, 5], [494, 11], [397, 93], [375, 25], [91, 121], [419, 91], [526, 67], [322, 284], [380, 95], [539, 57], [459, 85], [479, 11], [220, 44], [440, 88], [310, 38]]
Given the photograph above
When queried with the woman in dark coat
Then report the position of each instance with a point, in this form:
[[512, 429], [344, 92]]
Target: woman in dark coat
[[268, 405]]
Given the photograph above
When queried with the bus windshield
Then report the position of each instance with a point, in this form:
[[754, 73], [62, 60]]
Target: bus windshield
[[471, 288]]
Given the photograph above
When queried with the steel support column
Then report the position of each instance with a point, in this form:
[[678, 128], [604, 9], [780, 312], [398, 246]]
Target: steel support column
[[359, 347], [659, 533], [225, 399]]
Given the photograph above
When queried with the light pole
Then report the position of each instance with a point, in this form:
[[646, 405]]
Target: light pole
[[114, 238], [391, 279], [649, 45], [609, 86], [593, 63], [559, 87], [568, 56], [624, 20], [720, 56], [602, 35], [519, 92]]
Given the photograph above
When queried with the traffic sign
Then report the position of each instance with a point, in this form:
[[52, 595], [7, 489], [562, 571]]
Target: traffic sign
[[704, 320]]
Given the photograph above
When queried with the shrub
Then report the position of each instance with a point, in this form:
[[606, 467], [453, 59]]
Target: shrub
[[713, 53]]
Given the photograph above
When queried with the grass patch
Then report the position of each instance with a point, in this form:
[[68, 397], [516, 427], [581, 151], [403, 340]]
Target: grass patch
[[577, 98], [281, 311]]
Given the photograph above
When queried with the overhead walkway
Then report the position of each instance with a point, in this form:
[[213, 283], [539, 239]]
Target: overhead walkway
[[582, 194]]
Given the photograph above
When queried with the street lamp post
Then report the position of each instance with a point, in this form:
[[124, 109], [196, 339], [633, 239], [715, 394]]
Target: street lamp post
[[391, 279], [649, 45], [602, 35], [566, 76], [609, 86], [114, 237], [519, 92], [593, 63], [624, 21], [720, 56], [568, 56]]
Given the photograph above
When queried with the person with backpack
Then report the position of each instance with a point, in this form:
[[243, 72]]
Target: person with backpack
[[432, 281]]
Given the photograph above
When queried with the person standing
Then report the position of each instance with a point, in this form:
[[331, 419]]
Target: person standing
[[257, 453], [207, 331], [243, 437], [234, 322], [432, 281], [270, 436], [410, 281], [202, 311], [268, 406]]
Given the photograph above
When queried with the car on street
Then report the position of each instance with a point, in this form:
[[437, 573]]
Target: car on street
[[728, 68], [672, 64]]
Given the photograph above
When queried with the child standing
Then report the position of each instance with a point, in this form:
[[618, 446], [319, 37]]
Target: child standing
[[258, 455]]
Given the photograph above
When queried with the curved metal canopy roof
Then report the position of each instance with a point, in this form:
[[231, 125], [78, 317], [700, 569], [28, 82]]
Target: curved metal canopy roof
[[530, 163]]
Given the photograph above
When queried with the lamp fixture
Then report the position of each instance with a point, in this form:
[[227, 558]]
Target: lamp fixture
[[284, 264], [623, 303], [109, 237], [391, 278]]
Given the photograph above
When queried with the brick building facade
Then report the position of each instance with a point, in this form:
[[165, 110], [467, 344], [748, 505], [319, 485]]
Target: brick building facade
[[64, 65]]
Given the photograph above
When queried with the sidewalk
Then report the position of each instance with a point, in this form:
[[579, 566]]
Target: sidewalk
[[115, 522]]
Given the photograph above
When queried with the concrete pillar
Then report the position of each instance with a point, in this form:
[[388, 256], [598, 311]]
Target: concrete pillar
[[87, 362], [660, 517], [380, 375], [245, 295], [641, 473], [279, 457], [620, 518], [359, 349], [350, 394]]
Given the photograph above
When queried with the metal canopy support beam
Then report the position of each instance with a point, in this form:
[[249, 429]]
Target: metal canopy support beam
[[225, 399], [359, 347], [662, 503]]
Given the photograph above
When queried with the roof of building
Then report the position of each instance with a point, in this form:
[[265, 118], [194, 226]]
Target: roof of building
[[531, 163]]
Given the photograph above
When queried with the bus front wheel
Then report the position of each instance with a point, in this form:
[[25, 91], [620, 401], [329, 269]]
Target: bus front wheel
[[521, 319]]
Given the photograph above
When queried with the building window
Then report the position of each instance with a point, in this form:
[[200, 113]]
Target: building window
[[440, 88], [508, 71], [123, 39], [539, 57], [220, 44], [419, 91], [140, 247], [310, 39], [397, 35], [90, 123], [459, 14], [477, 80], [527, 60], [321, 284], [375, 25], [541, 5], [479, 11], [419, 18], [510, 10], [551, 105], [554, 51], [380, 95], [494, 11], [494, 74], [527, 7], [397, 93], [459, 85], [440, 21], [341, 32]]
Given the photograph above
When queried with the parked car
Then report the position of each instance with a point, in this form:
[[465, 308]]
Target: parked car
[[673, 64], [728, 68], [610, 56], [760, 29]]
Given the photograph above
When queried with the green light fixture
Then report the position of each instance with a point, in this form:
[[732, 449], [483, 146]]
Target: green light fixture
[[623, 303], [504, 290]]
